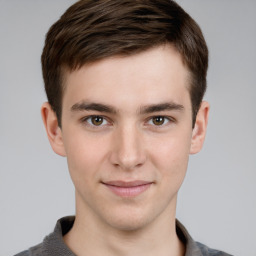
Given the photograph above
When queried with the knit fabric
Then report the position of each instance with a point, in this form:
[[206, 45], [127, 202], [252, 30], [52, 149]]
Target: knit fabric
[[53, 244]]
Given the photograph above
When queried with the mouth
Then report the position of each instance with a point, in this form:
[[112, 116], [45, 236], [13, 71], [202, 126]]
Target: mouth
[[127, 189]]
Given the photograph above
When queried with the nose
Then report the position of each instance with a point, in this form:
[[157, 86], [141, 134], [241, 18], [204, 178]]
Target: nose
[[128, 150]]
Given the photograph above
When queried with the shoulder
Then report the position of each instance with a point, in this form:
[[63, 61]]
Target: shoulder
[[33, 251], [206, 251], [53, 244], [194, 248]]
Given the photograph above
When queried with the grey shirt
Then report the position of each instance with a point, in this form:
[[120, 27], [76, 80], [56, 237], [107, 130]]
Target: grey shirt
[[53, 244]]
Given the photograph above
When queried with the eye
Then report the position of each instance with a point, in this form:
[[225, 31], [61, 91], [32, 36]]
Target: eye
[[96, 120], [159, 120]]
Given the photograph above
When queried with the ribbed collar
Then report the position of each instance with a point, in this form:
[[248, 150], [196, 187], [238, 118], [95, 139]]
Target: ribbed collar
[[54, 244]]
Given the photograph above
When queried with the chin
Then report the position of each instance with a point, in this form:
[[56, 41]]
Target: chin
[[129, 220], [129, 224]]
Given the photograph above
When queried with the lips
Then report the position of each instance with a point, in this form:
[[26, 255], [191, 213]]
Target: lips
[[127, 189]]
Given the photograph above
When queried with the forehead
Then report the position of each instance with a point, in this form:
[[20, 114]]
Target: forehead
[[144, 78]]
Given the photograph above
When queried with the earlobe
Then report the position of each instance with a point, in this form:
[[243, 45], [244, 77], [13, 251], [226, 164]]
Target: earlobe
[[199, 131], [53, 130]]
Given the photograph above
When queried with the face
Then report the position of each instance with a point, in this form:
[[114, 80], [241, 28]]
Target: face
[[127, 135]]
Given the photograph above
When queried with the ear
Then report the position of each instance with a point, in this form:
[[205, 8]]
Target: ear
[[53, 130], [199, 131]]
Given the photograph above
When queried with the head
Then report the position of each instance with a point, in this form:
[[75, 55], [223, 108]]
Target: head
[[125, 81], [93, 30]]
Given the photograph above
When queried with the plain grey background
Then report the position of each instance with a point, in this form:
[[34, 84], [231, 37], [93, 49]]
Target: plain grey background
[[217, 202]]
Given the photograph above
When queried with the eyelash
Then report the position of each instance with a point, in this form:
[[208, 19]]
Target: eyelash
[[167, 120], [89, 123]]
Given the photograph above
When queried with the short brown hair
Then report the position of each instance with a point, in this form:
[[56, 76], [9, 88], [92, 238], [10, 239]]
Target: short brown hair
[[92, 30]]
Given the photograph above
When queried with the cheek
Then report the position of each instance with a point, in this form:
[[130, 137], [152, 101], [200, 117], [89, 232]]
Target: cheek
[[170, 157], [85, 155]]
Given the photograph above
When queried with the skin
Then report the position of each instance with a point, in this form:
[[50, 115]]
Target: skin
[[130, 139]]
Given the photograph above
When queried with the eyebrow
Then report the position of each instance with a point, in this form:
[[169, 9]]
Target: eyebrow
[[87, 106], [161, 107], [82, 106]]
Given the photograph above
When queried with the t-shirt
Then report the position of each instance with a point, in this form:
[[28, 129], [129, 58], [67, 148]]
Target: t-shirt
[[53, 244]]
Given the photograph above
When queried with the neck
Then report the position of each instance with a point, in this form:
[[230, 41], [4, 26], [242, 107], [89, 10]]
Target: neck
[[89, 237]]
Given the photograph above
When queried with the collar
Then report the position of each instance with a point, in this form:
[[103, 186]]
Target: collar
[[54, 244]]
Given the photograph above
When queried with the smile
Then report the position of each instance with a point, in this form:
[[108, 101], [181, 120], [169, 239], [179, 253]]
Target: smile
[[128, 189]]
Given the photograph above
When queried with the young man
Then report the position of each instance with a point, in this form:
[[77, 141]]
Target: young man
[[125, 82]]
